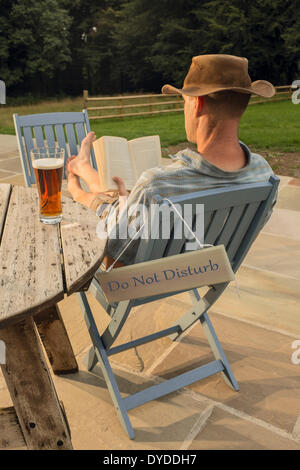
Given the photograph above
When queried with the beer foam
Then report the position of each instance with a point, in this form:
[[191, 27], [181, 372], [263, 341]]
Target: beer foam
[[48, 163]]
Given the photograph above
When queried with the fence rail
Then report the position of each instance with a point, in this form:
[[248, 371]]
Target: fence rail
[[114, 106]]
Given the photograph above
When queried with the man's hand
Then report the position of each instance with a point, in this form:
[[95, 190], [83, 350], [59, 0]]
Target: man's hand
[[121, 186]]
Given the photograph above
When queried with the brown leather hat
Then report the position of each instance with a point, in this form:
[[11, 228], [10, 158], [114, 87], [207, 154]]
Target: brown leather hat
[[219, 72]]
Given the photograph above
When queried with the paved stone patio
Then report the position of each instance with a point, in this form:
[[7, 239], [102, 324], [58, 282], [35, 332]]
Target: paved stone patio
[[256, 330]]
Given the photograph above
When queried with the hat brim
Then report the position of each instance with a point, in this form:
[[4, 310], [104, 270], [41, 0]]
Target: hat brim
[[259, 88]]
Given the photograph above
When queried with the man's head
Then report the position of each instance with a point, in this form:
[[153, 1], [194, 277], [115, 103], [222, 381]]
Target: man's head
[[216, 107], [218, 86]]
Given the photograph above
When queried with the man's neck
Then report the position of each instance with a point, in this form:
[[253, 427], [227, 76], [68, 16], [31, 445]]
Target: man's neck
[[219, 144]]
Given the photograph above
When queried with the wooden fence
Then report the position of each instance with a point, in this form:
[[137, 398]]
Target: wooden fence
[[149, 105], [118, 106], [282, 93]]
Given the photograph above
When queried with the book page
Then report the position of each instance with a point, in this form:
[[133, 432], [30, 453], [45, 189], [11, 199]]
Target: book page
[[145, 153], [98, 147], [117, 162]]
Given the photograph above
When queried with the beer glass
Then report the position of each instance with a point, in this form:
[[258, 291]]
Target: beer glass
[[48, 164]]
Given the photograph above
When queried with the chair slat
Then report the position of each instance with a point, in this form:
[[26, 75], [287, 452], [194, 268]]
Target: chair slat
[[60, 134], [50, 136], [231, 196], [216, 225], [29, 146], [71, 139], [242, 229], [174, 246], [22, 150], [88, 129], [80, 132], [208, 218], [39, 137], [230, 225], [256, 224], [52, 119]]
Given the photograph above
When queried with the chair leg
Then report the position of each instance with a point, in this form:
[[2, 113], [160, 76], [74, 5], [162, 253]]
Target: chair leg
[[90, 359], [199, 311], [218, 351], [119, 317], [106, 368]]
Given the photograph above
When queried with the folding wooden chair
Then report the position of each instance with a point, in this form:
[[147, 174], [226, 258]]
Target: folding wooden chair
[[233, 217], [64, 129]]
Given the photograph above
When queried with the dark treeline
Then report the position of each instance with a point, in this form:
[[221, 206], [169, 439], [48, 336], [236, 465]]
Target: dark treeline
[[53, 47]]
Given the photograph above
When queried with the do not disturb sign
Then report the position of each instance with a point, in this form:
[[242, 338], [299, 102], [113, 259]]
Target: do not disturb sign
[[174, 273]]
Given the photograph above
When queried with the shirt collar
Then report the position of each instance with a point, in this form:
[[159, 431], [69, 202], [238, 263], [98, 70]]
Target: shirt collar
[[197, 162]]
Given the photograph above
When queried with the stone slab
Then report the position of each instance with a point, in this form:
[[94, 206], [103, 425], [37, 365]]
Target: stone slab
[[6, 174], [11, 164], [295, 182], [274, 253], [289, 198], [225, 431], [145, 320], [284, 180], [265, 298], [285, 223], [5, 156], [160, 424], [16, 179], [8, 144], [261, 362]]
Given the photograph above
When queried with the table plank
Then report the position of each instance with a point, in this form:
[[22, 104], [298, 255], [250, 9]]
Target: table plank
[[11, 436], [29, 382], [56, 342], [83, 250], [5, 190], [30, 263]]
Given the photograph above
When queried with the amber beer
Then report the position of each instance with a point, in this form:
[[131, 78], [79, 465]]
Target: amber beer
[[48, 174]]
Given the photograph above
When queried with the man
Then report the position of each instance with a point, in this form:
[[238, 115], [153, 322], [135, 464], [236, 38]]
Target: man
[[216, 92]]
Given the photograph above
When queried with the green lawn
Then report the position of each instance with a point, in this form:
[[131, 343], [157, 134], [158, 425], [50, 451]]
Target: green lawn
[[273, 126]]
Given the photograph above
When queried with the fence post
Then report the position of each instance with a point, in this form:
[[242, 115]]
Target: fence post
[[121, 106], [85, 98]]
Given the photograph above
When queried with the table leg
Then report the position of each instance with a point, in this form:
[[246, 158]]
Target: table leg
[[56, 341], [31, 389]]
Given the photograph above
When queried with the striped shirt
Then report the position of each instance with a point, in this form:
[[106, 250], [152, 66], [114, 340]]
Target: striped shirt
[[188, 172]]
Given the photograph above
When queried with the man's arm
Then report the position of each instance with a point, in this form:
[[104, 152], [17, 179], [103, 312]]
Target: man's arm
[[122, 191], [108, 261]]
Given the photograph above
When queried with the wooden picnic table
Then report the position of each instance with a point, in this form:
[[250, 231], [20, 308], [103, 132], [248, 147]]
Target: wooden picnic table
[[39, 264]]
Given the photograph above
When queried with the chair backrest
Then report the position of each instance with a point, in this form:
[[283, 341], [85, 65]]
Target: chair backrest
[[64, 129], [233, 217]]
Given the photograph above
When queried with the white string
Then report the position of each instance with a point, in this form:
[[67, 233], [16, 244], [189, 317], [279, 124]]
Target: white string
[[124, 249], [200, 244], [237, 287], [188, 227]]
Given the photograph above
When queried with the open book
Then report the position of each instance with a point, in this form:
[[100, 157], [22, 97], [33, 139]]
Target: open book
[[128, 159]]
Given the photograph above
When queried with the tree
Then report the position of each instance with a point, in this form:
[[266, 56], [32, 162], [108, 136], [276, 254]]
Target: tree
[[92, 45], [113, 46], [256, 30], [35, 37]]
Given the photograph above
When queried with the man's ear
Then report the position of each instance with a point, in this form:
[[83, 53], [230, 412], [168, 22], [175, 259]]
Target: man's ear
[[199, 102]]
